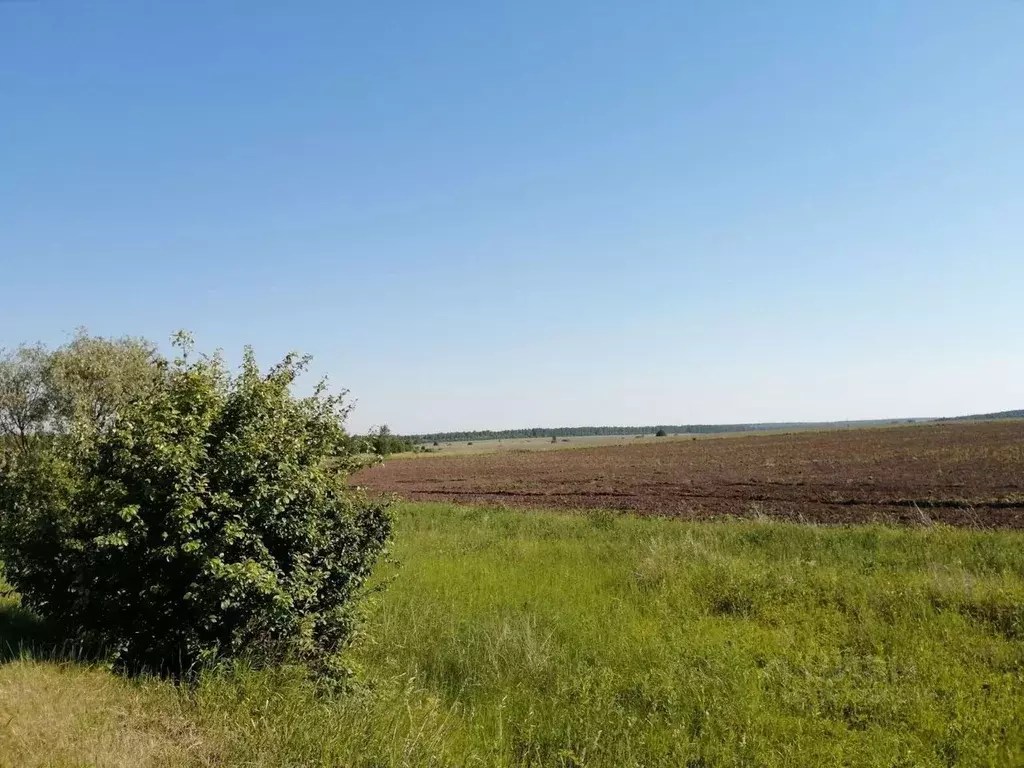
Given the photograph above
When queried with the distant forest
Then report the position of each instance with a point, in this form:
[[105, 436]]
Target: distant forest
[[671, 429], [987, 416], [685, 429]]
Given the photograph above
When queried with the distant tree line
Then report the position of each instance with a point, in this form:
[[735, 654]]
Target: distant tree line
[[558, 432], [668, 429], [987, 416], [675, 429]]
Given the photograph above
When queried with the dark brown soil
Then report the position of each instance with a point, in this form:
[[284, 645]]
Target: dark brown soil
[[961, 474]]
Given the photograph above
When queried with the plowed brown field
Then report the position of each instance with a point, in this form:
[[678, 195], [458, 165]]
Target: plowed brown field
[[962, 474]]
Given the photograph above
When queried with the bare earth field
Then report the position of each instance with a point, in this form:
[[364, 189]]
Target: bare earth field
[[961, 474]]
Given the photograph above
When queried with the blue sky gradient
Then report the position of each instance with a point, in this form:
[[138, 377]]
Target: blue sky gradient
[[500, 215]]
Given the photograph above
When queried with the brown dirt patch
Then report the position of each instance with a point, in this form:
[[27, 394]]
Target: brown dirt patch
[[961, 474]]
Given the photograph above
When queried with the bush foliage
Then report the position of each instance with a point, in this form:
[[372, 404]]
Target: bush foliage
[[189, 513], [384, 443]]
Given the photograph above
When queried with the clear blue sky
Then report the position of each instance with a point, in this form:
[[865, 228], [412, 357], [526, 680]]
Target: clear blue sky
[[510, 214]]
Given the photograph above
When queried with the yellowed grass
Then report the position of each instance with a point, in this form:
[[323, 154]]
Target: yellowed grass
[[57, 715]]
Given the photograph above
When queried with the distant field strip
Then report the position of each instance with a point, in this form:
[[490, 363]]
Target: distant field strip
[[961, 474]]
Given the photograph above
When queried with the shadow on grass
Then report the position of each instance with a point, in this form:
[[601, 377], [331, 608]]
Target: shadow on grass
[[20, 630], [23, 635]]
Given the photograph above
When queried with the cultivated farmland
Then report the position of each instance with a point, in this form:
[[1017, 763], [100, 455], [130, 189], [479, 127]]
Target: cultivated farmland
[[961, 474]]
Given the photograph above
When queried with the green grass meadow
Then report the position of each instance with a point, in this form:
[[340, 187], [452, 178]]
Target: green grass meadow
[[508, 638]]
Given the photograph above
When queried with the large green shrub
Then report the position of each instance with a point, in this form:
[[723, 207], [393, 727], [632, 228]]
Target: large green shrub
[[204, 515]]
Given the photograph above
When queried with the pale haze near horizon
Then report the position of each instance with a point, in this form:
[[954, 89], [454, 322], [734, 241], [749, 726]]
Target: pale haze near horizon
[[488, 218]]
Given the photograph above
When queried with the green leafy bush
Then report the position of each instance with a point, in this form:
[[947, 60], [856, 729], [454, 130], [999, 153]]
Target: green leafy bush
[[384, 443], [204, 515]]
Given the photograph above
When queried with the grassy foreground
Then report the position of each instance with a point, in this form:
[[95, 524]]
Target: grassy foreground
[[510, 638]]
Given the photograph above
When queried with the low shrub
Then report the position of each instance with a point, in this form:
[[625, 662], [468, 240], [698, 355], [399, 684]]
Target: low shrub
[[208, 515]]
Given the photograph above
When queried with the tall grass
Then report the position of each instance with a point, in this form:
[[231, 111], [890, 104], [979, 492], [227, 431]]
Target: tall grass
[[510, 638]]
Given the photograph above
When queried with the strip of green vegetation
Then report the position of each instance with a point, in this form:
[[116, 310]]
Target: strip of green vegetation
[[511, 638]]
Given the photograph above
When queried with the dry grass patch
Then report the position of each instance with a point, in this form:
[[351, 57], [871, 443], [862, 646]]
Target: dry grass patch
[[58, 714]]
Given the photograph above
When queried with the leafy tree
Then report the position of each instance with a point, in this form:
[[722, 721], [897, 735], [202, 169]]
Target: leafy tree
[[191, 513], [384, 443], [25, 403], [660, 433], [83, 383], [91, 377]]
